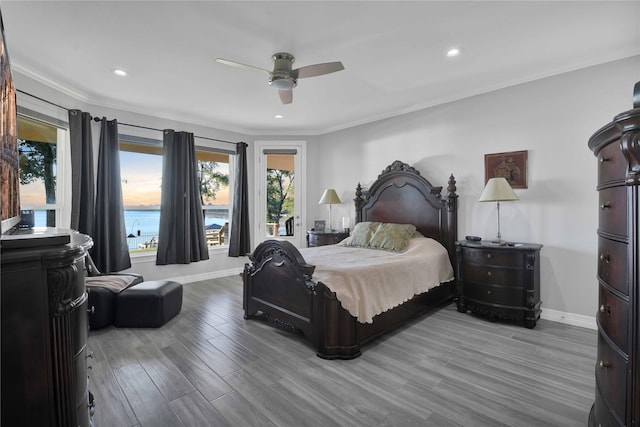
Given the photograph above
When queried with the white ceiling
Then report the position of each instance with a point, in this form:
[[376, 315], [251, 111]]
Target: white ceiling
[[394, 54]]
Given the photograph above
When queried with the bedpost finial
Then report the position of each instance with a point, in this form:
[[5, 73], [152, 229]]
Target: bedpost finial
[[451, 187]]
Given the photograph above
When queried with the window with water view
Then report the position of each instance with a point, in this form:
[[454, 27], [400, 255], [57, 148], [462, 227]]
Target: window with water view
[[141, 174]]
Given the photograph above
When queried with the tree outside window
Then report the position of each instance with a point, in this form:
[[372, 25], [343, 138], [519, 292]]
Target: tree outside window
[[280, 186], [39, 143]]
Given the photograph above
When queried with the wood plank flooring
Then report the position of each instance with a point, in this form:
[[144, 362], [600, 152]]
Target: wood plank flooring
[[210, 367]]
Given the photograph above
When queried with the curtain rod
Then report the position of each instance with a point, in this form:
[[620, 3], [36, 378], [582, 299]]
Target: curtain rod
[[96, 119]]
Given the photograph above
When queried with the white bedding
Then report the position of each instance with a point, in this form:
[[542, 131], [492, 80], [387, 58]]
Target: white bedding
[[368, 282]]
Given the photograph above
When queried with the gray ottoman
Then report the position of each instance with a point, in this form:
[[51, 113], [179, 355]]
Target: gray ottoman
[[148, 304], [102, 303]]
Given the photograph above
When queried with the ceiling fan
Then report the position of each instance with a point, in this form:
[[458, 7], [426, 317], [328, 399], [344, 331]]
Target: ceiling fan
[[283, 77]]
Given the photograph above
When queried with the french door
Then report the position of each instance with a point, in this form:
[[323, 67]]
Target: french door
[[280, 186]]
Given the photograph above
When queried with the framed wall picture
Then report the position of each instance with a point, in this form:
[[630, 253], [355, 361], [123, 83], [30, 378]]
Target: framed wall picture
[[319, 225], [511, 165]]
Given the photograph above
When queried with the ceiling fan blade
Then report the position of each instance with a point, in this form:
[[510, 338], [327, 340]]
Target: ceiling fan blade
[[243, 66], [286, 96], [318, 69]]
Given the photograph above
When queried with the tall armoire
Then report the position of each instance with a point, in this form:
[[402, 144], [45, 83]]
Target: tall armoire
[[617, 149]]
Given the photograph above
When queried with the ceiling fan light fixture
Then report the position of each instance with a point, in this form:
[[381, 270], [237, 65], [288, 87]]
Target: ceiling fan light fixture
[[282, 82]]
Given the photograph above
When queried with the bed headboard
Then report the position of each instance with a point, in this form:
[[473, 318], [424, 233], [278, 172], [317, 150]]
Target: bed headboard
[[401, 195]]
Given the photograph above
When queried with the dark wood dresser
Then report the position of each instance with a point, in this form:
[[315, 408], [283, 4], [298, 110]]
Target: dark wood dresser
[[44, 331], [617, 371], [321, 238], [500, 282]]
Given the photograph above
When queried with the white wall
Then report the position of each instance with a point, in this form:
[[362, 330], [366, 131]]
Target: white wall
[[552, 118]]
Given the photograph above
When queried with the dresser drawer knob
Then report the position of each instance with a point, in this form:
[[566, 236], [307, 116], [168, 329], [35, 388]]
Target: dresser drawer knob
[[605, 205], [605, 257], [489, 273], [603, 364], [488, 292], [488, 255], [605, 309], [603, 159]]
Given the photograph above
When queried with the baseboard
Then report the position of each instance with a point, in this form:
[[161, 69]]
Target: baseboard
[[207, 276], [569, 318]]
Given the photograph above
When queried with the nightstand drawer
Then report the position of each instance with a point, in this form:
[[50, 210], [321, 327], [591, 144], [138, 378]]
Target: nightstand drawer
[[493, 257], [612, 204], [493, 275], [612, 264], [494, 294], [613, 318], [611, 375]]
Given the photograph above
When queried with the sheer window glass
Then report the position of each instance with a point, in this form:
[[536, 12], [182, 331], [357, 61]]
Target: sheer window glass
[[40, 145], [214, 176], [141, 175], [280, 193]]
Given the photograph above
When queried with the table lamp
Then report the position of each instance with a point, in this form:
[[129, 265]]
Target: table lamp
[[329, 197], [498, 190]]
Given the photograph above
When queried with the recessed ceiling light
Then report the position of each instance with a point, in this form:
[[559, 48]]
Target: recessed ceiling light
[[453, 52], [119, 72], [278, 116]]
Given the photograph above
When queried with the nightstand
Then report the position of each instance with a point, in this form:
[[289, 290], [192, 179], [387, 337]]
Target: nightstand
[[500, 282], [321, 238]]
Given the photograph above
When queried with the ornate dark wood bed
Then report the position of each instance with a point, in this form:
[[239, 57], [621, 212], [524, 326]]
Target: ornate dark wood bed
[[279, 284]]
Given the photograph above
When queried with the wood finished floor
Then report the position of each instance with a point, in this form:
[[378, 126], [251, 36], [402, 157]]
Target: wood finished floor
[[210, 367]]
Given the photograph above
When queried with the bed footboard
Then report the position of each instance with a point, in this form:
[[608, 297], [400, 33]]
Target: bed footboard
[[278, 285]]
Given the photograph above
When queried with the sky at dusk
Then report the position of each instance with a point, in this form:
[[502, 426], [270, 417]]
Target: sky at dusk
[[141, 176]]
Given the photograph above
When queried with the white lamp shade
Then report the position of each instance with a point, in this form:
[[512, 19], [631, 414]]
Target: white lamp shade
[[329, 197], [497, 190]]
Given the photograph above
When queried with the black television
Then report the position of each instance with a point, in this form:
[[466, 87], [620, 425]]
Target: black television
[[9, 158]]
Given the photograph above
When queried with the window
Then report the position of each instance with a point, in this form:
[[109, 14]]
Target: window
[[38, 148], [213, 174], [280, 193], [141, 174]]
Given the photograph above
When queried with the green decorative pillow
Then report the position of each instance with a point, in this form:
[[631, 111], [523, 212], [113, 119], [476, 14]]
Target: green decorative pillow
[[392, 237], [361, 234]]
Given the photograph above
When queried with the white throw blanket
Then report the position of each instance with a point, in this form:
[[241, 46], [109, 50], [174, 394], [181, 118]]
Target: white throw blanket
[[368, 282], [115, 284]]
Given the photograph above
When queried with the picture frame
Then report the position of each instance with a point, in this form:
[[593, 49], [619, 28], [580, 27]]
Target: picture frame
[[319, 225], [511, 165]]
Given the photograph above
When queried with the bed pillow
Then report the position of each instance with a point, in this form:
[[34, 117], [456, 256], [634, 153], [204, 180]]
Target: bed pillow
[[361, 234], [392, 237]]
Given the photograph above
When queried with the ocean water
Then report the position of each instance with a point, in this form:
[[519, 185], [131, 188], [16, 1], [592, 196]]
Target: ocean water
[[147, 221]]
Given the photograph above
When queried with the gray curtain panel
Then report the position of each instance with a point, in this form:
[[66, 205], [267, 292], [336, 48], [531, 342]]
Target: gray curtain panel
[[181, 239], [239, 235], [110, 251], [82, 176]]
